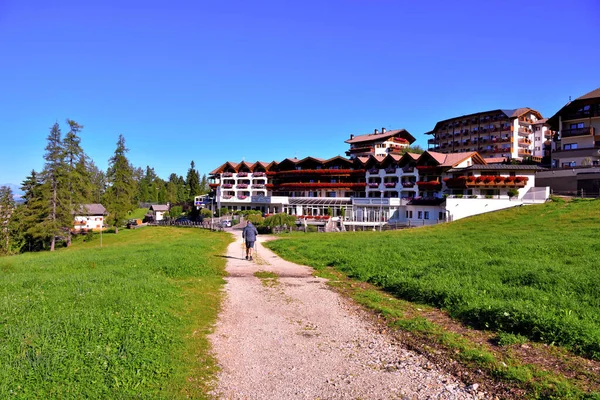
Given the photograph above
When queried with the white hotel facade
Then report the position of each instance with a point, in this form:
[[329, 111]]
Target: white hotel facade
[[376, 185]]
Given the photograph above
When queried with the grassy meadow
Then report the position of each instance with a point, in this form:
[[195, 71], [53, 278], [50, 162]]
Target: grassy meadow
[[128, 320], [532, 271]]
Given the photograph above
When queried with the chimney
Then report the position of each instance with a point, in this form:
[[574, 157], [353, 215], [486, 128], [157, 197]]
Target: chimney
[[351, 136], [376, 132], [382, 130]]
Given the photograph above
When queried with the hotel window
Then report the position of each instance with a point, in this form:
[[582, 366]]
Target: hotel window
[[571, 146], [419, 214], [426, 215], [576, 126], [409, 214], [537, 138]]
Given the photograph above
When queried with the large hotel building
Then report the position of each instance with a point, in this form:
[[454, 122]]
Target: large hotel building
[[378, 184], [497, 135]]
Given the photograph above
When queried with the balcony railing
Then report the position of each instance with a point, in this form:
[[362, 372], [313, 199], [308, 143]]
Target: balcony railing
[[227, 186], [390, 170], [242, 174], [390, 184], [586, 131], [227, 174], [242, 185], [373, 185], [258, 186], [258, 174]]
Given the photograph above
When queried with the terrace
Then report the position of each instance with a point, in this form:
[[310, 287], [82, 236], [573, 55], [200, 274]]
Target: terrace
[[586, 131]]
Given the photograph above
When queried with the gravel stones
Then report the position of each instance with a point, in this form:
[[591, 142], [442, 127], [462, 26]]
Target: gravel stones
[[298, 340]]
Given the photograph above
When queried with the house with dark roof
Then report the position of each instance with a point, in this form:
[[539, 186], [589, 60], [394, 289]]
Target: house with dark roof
[[89, 218], [157, 211], [578, 125], [508, 134]]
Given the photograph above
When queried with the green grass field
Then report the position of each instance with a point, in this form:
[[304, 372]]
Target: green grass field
[[128, 320], [533, 271]]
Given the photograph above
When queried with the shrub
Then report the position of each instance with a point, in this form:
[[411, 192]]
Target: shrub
[[175, 211], [512, 193], [280, 219]]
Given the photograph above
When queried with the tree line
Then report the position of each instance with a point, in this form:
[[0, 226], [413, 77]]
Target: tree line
[[70, 179]]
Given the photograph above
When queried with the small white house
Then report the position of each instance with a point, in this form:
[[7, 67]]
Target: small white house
[[89, 218], [158, 211]]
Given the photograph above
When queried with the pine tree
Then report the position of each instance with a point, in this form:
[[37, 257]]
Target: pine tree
[[121, 186], [193, 182], [31, 214], [181, 190], [53, 189], [171, 188], [7, 209], [97, 180], [76, 179], [204, 188]]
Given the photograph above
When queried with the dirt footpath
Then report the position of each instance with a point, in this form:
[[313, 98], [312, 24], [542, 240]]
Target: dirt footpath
[[294, 338]]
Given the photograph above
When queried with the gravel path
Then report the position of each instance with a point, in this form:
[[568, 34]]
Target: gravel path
[[297, 339]]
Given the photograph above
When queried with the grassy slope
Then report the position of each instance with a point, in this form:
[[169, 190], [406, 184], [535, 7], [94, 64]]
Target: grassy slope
[[533, 271], [125, 320]]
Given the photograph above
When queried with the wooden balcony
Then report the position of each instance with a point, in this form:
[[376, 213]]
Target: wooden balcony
[[586, 131]]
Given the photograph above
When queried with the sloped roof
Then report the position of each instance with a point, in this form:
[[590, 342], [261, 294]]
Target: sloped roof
[[159, 207], [452, 159], [553, 120], [591, 95], [372, 137], [92, 209], [495, 160]]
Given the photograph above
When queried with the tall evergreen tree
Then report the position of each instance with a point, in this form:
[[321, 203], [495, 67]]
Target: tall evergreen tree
[[7, 209], [76, 179], [53, 177], [193, 182], [98, 182], [32, 213], [171, 189], [204, 188], [181, 190], [121, 186]]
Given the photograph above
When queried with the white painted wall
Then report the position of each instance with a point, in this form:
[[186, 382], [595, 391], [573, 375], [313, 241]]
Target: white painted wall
[[462, 208], [93, 222]]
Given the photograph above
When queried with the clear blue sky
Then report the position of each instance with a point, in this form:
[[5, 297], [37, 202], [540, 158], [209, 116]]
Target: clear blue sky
[[213, 81]]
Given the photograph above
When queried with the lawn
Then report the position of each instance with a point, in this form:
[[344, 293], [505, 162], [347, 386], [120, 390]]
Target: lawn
[[533, 271], [128, 320]]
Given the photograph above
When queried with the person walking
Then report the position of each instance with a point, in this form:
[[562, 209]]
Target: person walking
[[249, 234]]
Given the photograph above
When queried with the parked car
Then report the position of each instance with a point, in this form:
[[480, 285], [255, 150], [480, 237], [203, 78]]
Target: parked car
[[226, 223]]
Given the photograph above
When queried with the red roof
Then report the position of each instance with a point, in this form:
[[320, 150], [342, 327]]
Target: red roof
[[377, 137]]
